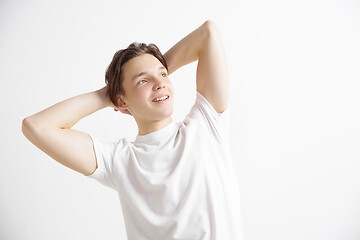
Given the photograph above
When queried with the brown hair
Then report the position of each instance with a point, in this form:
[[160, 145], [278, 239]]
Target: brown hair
[[113, 77]]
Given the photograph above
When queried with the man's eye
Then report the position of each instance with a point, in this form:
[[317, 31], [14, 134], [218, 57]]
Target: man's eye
[[164, 74], [141, 81]]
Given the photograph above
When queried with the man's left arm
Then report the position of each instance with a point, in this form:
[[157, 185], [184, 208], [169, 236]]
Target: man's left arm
[[212, 76]]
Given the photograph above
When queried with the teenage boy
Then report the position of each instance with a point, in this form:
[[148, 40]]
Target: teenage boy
[[176, 180]]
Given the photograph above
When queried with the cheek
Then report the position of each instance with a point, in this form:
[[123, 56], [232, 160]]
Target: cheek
[[142, 94], [171, 87], [169, 84]]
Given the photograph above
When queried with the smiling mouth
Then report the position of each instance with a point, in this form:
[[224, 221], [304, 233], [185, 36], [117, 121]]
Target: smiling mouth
[[160, 99]]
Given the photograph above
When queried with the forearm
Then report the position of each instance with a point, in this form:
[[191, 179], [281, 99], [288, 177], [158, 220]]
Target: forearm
[[67, 113], [187, 49]]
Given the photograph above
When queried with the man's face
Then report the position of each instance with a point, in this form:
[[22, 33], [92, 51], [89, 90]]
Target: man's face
[[144, 80]]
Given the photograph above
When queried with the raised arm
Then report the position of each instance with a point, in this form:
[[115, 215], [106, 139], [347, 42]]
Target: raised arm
[[49, 130], [212, 76]]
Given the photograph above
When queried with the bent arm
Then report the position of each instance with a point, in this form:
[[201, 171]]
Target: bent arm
[[212, 75], [187, 49], [49, 130], [67, 113]]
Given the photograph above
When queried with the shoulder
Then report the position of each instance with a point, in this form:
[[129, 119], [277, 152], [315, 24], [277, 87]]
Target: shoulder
[[203, 109], [204, 114]]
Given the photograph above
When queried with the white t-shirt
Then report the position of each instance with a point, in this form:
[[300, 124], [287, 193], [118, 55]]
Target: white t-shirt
[[177, 182]]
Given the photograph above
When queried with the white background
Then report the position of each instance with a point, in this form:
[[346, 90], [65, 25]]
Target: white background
[[295, 100]]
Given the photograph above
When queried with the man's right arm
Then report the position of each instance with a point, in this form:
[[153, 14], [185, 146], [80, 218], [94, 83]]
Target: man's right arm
[[50, 130]]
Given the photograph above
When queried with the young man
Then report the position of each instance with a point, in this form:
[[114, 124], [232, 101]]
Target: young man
[[175, 180]]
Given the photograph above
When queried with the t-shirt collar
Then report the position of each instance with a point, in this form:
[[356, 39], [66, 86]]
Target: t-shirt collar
[[157, 136]]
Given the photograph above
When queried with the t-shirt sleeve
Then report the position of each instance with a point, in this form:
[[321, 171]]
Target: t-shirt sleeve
[[104, 152], [217, 123]]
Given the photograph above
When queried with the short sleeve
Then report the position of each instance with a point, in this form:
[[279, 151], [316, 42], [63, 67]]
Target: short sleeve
[[217, 123], [104, 152]]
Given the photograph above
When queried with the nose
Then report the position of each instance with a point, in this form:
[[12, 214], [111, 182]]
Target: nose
[[159, 84], [162, 86]]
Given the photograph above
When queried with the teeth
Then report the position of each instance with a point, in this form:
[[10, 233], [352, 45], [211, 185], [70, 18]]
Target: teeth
[[162, 98]]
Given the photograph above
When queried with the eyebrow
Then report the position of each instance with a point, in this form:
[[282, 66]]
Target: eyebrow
[[143, 73]]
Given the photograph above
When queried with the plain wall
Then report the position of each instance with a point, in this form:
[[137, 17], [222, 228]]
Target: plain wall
[[295, 100]]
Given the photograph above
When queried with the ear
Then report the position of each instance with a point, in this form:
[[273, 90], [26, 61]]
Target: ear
[[121, 103], [122, 106]]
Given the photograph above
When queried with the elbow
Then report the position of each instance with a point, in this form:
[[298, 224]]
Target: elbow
[[211, 26], [25, 127], [25, 121], [25, 124], [29, 127], [212, 31], [209, 23]]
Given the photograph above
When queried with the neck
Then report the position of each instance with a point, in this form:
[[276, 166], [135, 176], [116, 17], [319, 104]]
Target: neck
[[146, 127]]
